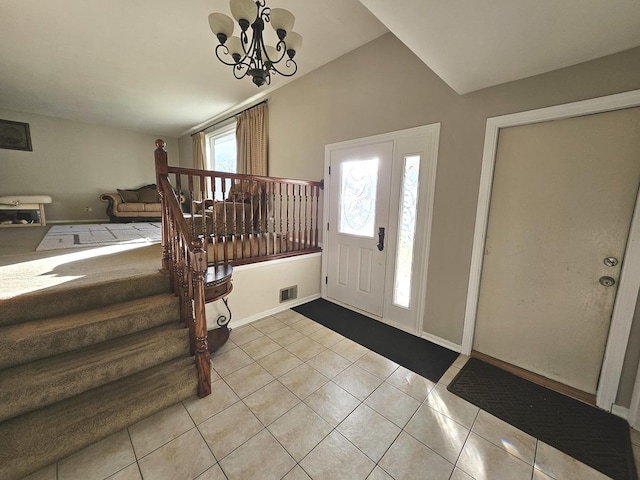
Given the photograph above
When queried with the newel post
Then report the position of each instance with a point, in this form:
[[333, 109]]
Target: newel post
[[162, 171], [203, 357]]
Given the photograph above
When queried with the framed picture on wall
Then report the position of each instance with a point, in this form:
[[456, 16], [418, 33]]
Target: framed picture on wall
[[15, 135]]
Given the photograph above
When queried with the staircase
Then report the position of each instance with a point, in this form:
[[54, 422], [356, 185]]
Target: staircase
[[80, 364]]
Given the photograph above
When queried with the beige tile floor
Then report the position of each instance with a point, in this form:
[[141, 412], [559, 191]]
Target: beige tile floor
[[293, 400]]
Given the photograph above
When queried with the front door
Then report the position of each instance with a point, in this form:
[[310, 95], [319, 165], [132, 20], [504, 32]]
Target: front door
[[563, 196], [361, 178]]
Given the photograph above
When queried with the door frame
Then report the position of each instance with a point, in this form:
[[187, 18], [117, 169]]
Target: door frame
[[428, 187], [629, 284]]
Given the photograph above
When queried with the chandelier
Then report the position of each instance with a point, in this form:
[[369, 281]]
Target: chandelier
[[251, 56]]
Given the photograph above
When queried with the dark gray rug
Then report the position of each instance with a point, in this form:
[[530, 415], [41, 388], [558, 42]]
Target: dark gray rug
[[593, 436]]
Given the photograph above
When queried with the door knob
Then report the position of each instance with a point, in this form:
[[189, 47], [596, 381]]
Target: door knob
[[607, 281], [610, 261]]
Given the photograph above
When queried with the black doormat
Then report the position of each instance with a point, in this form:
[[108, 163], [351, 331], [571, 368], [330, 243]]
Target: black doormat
[[416, 354], [592, 436]]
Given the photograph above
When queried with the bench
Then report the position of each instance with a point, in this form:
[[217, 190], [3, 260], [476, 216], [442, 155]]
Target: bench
[[25, 202]]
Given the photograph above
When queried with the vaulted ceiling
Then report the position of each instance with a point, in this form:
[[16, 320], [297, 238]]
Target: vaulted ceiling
[[150, 65]]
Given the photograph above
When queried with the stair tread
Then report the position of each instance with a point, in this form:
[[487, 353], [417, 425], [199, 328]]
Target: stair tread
[[42, 382], [36, 439], [67, 332]]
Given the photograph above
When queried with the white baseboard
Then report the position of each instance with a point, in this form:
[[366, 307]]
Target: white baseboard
[[442, 342], [280, 308], [618, 411]]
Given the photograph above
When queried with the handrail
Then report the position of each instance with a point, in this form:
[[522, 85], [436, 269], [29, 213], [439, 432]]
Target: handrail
[[244, 219], [186, 261], [273, 217]]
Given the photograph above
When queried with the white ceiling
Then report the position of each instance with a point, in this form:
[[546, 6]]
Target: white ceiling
[[149, 65], [474, 44]]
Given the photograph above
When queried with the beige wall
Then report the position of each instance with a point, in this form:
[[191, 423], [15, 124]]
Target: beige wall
[[383, 87], [75, 162]]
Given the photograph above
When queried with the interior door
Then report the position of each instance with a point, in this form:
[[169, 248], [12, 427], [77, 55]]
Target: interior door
[[358, 222], [561, 205]]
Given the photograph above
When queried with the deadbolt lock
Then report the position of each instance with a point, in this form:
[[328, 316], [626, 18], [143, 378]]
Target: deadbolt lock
[[610, 261]]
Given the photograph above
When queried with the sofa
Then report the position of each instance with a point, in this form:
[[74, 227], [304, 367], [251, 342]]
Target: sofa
[[139, 205]]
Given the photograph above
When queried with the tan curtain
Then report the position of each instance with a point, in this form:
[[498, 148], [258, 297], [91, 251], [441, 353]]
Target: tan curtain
[[252, 133], [200, 163]]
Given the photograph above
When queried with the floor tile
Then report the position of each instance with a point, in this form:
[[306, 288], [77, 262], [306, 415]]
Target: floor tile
[[99, 460], [349, 349], [268, 324], [408, 459], [369, 431], [289, 316], [329, 363], [299, 430], [485, 461], [296, 474], [47, 473], [460, 361], [229, 362], [538, 475], [221, 397], [452, 406], [411, 383], [332, 403], [248, 379], [214, 473], [280, 362], [335, 458], [393, 404], [376, 364], [303, 380], [286, 336], [557, 464], [260, 347], [158, 429], [460, 475], [448, 376], [185, 457], [379, 474], [326, 337], [307, 326], [228, 345], [305, 348], [357, 382], [271, 402], [635, 436], [500, 433], [261, 458], [132, 472], [244, 334], [229, 429], [438, 432]]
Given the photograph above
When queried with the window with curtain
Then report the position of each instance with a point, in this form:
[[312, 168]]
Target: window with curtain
[[221, 152]]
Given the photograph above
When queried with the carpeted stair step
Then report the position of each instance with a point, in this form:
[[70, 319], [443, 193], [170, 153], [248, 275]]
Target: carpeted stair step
[[26, 342], [43, 382], [34, 440], [37, 305]]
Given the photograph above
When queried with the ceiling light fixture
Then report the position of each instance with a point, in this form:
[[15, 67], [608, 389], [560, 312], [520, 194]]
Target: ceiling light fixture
[[252, 56]]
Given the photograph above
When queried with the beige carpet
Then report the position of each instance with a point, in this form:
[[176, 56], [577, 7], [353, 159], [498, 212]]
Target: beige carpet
[[24, 270]]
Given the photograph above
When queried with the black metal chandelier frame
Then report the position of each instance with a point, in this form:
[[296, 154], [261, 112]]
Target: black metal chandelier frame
[[256, 61]]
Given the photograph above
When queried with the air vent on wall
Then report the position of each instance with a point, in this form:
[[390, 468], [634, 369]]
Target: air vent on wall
[[288, 293]]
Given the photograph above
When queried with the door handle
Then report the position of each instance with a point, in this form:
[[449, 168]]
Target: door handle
[[381, 238]]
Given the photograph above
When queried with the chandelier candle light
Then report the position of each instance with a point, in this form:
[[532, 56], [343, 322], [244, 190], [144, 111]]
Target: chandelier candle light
[[251, 56]]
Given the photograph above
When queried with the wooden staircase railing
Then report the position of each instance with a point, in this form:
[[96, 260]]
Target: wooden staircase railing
[[231, 219]]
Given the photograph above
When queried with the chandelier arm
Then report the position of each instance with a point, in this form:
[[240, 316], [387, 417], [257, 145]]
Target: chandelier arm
[[225, 49], [288, 64]]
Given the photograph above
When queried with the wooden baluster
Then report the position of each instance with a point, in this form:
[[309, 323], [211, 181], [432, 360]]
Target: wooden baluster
[[225, 253], [317, 190], [299, 217], [280, 230], [203, 358]]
